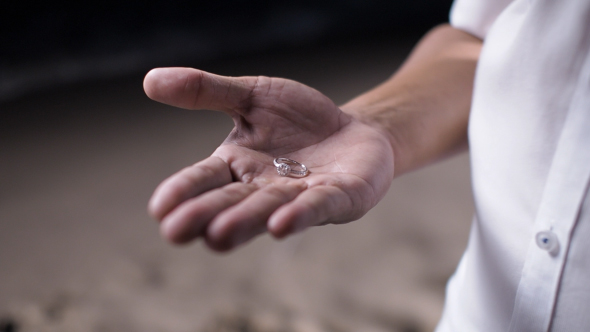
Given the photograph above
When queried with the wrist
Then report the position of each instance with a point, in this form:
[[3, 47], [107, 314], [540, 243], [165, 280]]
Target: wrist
[[379, 120]]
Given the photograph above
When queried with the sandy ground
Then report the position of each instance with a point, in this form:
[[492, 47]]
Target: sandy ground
[[79, 253]]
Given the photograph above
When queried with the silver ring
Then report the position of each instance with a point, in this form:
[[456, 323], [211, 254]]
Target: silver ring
[[284, 168]]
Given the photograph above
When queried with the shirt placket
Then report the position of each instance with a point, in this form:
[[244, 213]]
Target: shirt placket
[[558, 213]]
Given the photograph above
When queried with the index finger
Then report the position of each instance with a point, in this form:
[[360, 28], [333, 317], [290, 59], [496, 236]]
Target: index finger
[[196, 89], [191, 181]]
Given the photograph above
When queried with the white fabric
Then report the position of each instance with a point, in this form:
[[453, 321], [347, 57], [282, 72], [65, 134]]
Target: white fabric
[[529, 134]]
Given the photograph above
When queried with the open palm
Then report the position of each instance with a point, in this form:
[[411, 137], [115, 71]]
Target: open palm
[[236, 193]]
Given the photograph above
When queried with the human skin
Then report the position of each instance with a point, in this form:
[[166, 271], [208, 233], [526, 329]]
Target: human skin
[[353, 152]]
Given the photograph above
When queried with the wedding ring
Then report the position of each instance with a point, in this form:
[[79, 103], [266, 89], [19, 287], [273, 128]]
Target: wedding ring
[[284, 168]]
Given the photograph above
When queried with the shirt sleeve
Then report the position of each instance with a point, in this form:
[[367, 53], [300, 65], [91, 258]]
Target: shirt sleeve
[[476, 16]]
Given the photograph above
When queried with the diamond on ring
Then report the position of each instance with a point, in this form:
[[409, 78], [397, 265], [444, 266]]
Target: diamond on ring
[[284, 168]]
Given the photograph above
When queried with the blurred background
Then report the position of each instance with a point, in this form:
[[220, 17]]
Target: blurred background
[[82, 148], [56, 43]]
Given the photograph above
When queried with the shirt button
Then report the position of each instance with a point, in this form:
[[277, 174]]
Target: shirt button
[[547, 240]]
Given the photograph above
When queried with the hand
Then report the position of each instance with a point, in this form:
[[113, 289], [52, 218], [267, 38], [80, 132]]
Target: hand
[[236, 194]]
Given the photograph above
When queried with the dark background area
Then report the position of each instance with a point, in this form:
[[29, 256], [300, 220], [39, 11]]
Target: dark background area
[[50, 44]]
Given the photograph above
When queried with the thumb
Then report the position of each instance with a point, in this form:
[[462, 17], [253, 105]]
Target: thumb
[[196, 89]]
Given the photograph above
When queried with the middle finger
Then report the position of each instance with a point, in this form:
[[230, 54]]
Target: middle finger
[[248, 218], [190, 218]]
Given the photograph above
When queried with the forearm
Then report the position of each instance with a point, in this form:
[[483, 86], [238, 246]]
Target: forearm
[[424, 107]]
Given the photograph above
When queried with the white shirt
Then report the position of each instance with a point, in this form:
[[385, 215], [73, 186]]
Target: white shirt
[[527, 264]]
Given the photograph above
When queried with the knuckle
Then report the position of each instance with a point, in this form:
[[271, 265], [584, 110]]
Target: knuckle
[[238, 189], [276, 191]]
